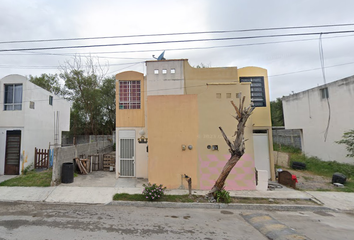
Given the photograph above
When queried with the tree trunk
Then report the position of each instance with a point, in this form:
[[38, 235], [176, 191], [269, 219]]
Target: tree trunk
[[220, 182], [236, 148]]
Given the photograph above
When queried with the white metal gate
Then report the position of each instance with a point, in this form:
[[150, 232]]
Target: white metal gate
[[127, 153]]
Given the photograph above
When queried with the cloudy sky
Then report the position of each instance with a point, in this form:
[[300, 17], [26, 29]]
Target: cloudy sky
[[293, 62]]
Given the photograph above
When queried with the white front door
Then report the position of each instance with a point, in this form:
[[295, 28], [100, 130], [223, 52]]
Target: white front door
[[261, 152], [127, 153]]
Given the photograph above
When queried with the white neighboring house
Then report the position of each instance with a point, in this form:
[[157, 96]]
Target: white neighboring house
[[28, 117], [309, 112]]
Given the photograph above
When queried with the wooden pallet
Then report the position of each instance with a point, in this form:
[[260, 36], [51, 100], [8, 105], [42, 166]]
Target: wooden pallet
[[81, 165]]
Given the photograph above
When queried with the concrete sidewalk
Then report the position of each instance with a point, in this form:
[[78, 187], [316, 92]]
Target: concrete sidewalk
[[103, 186], [103, 195]]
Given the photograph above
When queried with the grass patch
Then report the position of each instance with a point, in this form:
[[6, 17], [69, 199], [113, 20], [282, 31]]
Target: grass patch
[[128, 197], [327, 169], [348, 187], [141, 197], [31, 179], [201, 199], [322, 168]]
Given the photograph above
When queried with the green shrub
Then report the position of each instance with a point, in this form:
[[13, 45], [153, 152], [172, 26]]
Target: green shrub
[[348, 140], [222, 196], [153, 192]]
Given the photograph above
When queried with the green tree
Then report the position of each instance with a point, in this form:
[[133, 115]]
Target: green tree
[[91, 93], [108, 105], [348, 140], [49, 82], [276, 111]]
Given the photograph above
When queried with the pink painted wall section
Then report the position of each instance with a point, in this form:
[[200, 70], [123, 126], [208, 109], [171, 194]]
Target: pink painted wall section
[[242, 176]]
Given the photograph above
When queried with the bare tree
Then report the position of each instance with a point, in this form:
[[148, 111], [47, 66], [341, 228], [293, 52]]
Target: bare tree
[[236, 148]]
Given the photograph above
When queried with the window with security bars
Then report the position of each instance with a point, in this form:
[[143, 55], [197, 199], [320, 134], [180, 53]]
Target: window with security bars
[[258, 97], [13, 97], [129, 95]]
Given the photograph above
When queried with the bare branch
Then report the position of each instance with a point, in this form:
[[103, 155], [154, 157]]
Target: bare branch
[[237, 111], [228, 142], [243, 101]]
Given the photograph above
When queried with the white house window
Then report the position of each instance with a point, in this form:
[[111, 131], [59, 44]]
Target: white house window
[[51, 100], [129, 94], [164, 71], [173, 70], [258, 97], [156, 71], [13, 97], [324, 93]]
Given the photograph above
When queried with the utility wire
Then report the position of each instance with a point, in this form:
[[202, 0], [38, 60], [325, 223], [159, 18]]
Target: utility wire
[[175, 41], [269, 76], [55, 67], [309, 70], [166, 49], [180, 33]]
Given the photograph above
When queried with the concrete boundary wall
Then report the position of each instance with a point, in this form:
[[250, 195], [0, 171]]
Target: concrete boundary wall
[[288, 137], [67, 154], [81, 139]]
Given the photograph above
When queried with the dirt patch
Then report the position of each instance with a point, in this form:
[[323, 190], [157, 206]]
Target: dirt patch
[[309, 181]]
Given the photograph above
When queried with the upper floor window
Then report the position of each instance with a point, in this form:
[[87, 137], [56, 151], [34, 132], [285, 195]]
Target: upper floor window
[[51, 100], [324, 93], [13, 97], [258, 96], [129, 95], [173, 70]]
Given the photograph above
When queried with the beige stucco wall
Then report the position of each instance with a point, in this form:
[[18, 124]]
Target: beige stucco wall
[[261, 115], [215, 112], [196, 78], [165, 81], [130, 117], [173, 122]]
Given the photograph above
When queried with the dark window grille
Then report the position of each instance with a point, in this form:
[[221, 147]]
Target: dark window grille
[[258, 97]]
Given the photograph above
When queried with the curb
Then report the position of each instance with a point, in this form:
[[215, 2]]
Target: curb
[[242, 206]]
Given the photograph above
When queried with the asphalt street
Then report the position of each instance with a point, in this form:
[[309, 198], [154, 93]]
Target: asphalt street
[[83, 221]]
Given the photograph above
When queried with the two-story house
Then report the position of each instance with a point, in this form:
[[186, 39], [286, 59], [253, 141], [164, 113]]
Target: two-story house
[[168, 124], [30, 117]]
